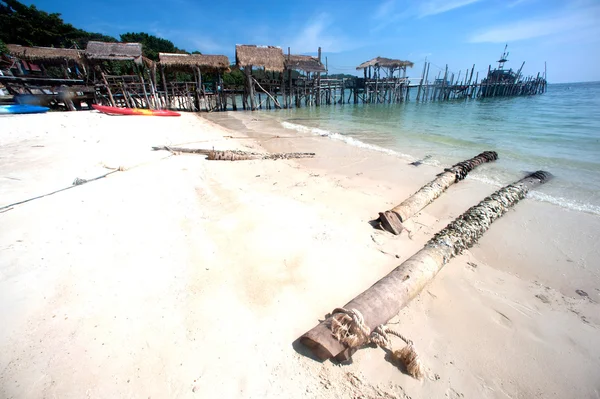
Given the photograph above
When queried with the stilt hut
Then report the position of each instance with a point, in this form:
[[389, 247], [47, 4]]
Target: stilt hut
[[192, 96], [50, 76], [308, 86], [269, 58], [70, 61], [130, 90], [388, 88]]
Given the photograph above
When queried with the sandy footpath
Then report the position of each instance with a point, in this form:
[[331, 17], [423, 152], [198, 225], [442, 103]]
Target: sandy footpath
[[181, 277]]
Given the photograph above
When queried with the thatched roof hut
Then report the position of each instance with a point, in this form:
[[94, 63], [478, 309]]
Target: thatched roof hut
[[114, 51], [385, 63], [269, 57], [206, 63], [48, 54], [304, 63]]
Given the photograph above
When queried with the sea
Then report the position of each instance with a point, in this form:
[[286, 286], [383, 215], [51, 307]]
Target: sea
[[558, 132]]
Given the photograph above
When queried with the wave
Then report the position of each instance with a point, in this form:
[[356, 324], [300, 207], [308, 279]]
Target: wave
[[565, 203], [346, 139], [542, 197], [535, 195]]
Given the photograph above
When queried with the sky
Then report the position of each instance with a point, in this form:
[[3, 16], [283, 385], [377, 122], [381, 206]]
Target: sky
[[459, 33]]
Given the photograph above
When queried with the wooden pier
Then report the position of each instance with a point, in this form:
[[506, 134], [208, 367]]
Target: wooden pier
[[272, 79]]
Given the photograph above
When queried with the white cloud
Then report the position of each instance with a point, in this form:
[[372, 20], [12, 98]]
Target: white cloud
[[532, 28], [388, 12], [207, 45], [433, 7], [317, 33], [384, 9]]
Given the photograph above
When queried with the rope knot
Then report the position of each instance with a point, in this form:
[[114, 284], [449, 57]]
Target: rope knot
[[348, 327], [78, 181]]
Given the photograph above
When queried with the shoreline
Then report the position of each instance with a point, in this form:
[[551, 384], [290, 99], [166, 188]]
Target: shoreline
[[566, 190], [182, 277], [360, 165]]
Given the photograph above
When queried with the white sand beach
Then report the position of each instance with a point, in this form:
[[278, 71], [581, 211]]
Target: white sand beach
[[180, 277]]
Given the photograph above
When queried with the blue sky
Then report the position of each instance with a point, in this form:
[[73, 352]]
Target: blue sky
[[459, 33]]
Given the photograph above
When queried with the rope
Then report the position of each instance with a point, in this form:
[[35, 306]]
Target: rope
[[77, 182], [348, 327]]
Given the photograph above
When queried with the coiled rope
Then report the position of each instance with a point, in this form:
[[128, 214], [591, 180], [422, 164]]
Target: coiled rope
[[348, 327]]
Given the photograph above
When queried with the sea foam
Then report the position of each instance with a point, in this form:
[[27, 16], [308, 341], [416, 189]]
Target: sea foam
[[346, 139], [535, 195]]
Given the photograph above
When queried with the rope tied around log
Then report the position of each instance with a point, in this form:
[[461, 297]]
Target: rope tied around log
[[348, 327]]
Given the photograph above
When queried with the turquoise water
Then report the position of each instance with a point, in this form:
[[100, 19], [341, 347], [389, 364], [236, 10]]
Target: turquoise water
[[558, 132]]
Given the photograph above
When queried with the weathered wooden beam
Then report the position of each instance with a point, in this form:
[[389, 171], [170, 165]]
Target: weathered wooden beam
[[392, 220], [384, 299]]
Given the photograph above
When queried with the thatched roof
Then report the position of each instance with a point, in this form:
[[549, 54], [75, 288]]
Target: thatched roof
[[204, 62], [114, 51], [44, 53], [269, 57], [304, 63], [385, 63]]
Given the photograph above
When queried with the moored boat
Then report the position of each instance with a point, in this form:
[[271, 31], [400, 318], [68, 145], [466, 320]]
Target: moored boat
[[22, 109], [134, 111]]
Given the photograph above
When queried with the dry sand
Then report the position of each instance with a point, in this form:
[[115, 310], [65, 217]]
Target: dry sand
[[182, 277]]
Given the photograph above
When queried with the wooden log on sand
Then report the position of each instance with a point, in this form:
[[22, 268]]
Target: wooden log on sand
[[392, 219], [378, 304], [234, 155]]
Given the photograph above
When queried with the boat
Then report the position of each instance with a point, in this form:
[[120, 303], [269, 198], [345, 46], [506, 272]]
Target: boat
[[22, 109], [134, 111], [500, 81]]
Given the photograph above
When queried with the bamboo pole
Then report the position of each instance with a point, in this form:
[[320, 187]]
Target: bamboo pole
[[110, 96], [421, 82], [391, 220], [250, 86], [277, 105], [384, 299]]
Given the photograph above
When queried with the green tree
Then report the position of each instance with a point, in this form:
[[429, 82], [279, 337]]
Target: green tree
[[235, 77], [151, 45], [3, 48], [26, 25]]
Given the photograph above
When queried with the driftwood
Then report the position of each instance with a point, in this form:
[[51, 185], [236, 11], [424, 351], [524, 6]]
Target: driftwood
[[385, 298], [235, 155], [392, 219]]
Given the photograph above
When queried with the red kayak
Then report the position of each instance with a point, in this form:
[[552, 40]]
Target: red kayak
[[134, 111]]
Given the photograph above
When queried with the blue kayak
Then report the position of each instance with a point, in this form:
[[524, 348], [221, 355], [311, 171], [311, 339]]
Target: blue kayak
[[22, 109]]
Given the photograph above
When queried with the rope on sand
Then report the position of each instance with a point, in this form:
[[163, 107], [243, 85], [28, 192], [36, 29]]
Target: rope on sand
[[77, 182], [348, 327]]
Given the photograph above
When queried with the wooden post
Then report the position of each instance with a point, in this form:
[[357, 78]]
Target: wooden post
[[442, 91], [250, 85], [421, 83], [469, 82], [144, 89], [427, 81], [289, 82], [164, 83], [318, 92], [110, 96]]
